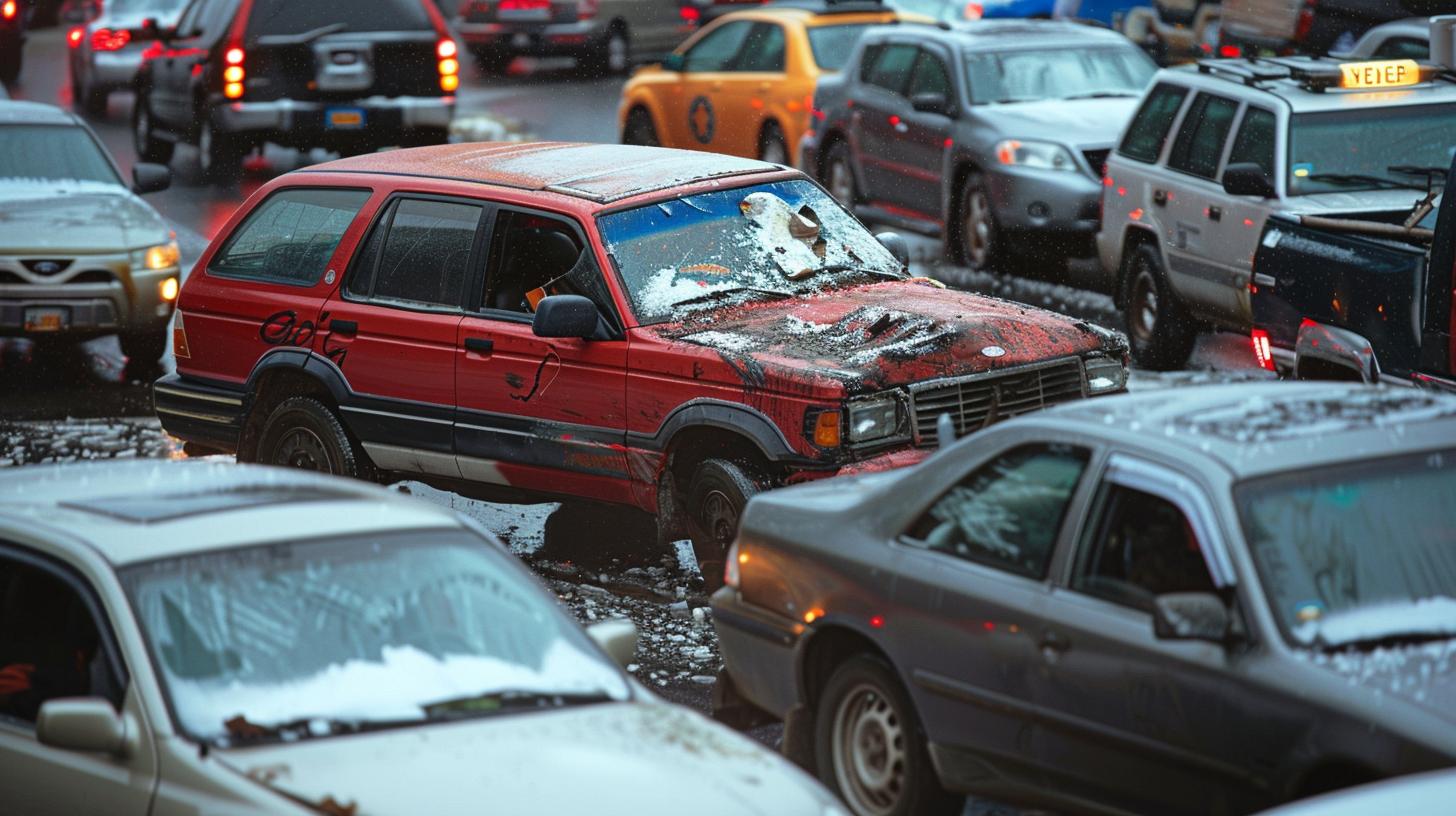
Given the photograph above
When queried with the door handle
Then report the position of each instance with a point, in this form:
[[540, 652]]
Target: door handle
[[1160, 197], [344, 326], [479, 345], [1215, 213]]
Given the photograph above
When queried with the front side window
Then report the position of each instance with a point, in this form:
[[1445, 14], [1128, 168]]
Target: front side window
[[1205, 130], [424, 256], [533, 256], [311, 638], [1142, 546], [1254, 143], [1367, 148], [1029, 75], [1148, 131], [1008, 513], [763, 51], [716, 50], [929, 77], [892, 66], [290, 237]]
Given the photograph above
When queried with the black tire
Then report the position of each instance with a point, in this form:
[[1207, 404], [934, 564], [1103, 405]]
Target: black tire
[[772, 146], [491, 61], [717, 493], [219, 155], [149, 148], [839, 175], [143, 349], [1159, 329], [86, 98], [863, 712], [639, 129], [611, 57], [303, 433], [978, 241], [10, 64]]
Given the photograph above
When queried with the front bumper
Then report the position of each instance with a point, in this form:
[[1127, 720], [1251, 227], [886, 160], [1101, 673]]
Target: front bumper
[[534, 39], [94, 295], [294, 120], [759, 652], [202, 414], [1060, 204]]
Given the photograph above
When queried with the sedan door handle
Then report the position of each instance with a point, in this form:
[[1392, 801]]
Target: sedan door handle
[[1215, 213], [479, 345], [1160, 197], [344, 326]]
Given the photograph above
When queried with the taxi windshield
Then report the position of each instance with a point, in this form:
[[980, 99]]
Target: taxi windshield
[[765, 241], [1368, 149], [1034, 74]]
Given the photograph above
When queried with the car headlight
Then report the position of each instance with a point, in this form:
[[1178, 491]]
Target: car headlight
[[154, 258], [1039, 155], [873, 418], [1105, 375]]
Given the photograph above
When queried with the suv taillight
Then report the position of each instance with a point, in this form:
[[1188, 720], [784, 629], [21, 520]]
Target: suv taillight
[[1262, 353], [233, 72], [105, 39], [449, 65], [1305, 22], [8, 10]]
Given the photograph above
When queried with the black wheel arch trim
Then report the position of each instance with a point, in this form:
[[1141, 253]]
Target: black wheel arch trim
[[737, 418]]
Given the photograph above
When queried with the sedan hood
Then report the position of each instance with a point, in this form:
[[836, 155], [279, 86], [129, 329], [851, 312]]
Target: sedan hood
[[70, 218], [614, 758], [1423, 676], [1096, 123], [875, 336]]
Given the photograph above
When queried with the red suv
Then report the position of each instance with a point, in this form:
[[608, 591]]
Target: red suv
[[664, 329]]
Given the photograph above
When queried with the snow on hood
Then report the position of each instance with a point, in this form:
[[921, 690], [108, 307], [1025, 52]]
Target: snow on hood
[[1427, 616], [1423, 675], [1095, 123], [644, 759], [38, 215], [885, 334]]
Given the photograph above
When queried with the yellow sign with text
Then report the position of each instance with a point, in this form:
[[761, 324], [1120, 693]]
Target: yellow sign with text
[[1379, 74]]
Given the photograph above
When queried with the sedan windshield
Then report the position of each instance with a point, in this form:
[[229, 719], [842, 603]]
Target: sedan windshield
[[1034, 74], [1359, 553], [1368, 149], [53, 153], [317, 637], [765, 241]]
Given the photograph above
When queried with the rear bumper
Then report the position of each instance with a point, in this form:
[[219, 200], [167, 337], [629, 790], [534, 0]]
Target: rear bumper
[[535, 39], [207, 415], [292, 118], [758, 653]]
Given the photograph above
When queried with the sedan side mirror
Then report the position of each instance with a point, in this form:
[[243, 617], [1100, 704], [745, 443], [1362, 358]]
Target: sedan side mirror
[[1247, 179], [84, 724], [565, 316], [150, 178], [931, 103], [618, 638], [673, 62], [895, 242], [1191, 616]]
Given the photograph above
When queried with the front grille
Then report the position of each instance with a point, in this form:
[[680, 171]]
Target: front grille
[[93, 276], [1097, 160], [8, 277], [981, 399]]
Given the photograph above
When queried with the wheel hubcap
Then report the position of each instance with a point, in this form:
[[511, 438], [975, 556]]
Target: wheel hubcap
[[841, 183], [869, 751], [720, 518], [773, 151], [1144, 307], [301, 448], [978, 228]]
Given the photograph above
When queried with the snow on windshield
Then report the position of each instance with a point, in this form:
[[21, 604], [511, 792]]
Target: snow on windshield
[[769, 240], [354, 629]]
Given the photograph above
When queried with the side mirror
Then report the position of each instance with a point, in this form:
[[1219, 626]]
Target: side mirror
[[1191, 616], [618, 638], [1247, 179], [895, 242], [673, 62], [931, 103], [565, 316], [83, 724], [150, 178]]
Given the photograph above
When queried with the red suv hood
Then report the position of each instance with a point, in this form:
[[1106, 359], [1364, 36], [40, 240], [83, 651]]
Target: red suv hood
[[886, 334]]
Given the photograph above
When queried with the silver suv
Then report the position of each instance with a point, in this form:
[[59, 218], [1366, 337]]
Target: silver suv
[[1216, 148]]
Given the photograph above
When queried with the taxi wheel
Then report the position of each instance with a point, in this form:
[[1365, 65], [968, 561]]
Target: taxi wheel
[[303, 433], [980, 243], [869, 746], [717, 494], [772, 147], [10, 65], [1159, 330], [148, 147], [639, 129], [87, 98], [839, 176]]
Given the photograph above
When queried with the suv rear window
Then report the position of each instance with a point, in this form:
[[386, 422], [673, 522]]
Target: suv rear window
[[290, 237], [273, 18], [1149, 129]]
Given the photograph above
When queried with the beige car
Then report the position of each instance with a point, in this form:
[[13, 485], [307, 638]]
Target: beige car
[[181, 638]]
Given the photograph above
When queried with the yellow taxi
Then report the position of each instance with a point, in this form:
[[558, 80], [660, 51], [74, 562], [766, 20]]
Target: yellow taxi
[[744, 84]]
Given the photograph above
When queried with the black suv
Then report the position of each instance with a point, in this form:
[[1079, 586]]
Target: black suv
[[348, 76]]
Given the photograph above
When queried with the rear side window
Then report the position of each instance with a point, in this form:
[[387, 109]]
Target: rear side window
[[1201, 138], [763, 52], [891, 67], [290, 237], [273, 18], [418, 255], [1149, 129]]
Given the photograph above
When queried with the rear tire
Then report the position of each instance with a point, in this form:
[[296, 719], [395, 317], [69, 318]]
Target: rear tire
[[1160, 331], [303, 433], [149, 148], [10, 63], [717, 494], [639, 129], [869, 747]]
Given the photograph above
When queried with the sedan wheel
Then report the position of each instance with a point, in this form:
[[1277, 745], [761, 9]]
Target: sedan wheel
[[869, 751]]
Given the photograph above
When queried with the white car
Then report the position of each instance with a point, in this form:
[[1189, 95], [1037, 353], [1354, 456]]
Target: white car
[[192, 637], [1417, 795]]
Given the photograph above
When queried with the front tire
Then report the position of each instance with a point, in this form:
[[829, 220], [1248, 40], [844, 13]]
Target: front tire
[[979, 242], [143, 349], [149, 148], [717, 493], [869, 747], [1160, 331], [303, 433]]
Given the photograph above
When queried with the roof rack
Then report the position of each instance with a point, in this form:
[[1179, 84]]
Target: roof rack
[[1248, 72]]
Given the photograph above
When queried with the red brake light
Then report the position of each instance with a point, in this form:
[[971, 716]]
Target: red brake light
[[446, 48], [1262, 354], [234, 56], [8, 10], [105, 39], [1305, 22], [1230, 51], [690, 14], [74, 36]]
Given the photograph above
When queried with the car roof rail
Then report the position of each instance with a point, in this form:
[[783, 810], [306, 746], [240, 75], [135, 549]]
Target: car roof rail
[[1248, 72]]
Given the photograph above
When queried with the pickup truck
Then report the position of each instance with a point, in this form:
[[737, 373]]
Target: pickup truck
[[1345, 298]]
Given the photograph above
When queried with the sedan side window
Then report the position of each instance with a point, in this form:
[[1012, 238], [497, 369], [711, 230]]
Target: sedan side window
[[1201, 138], [892, 66], [1141, 547], [1007, 513], [717, 50], [419, 254]]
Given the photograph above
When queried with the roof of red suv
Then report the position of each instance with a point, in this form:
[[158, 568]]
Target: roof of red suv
[[597, 172]]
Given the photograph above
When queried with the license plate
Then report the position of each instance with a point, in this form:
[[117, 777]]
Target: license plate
[[520, 40], [344, 118], [45, 319]]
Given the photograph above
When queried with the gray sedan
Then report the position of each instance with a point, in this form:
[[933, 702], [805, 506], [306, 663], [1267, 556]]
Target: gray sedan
[[1206, 603], [107, 51]]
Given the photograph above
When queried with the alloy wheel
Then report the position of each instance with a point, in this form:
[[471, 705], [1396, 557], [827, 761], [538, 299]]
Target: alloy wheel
[[841, 182], [1143, 306], [303, 449], [978, 228], [617, 55], [719, 517], [869, 751]]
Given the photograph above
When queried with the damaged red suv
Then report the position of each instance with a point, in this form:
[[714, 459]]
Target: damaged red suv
[[663, 329]]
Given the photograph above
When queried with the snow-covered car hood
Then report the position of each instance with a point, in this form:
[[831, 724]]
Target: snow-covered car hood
[[886, 334], [1354, 203], [641, 758], [65, 217], [1079, 123], [1422, 675]]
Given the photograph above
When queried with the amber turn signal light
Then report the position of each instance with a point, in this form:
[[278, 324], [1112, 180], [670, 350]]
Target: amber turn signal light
[[826, 430]]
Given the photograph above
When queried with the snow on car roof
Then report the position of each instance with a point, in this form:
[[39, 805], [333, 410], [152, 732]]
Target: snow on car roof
[[598, 172], [144, 510]]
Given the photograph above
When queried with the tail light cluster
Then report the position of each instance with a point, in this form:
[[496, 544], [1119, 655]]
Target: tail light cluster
[[1262, 354], [448, 53], [75, 36], [587, 9], [8, 9], [233, 72], [1305, 22], [106, 39]]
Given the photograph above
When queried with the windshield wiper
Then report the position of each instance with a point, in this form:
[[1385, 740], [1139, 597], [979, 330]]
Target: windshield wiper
[[497, 702], [719, 294], [1438, 173], [240, 730], [1361, 178], [868, 270]]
